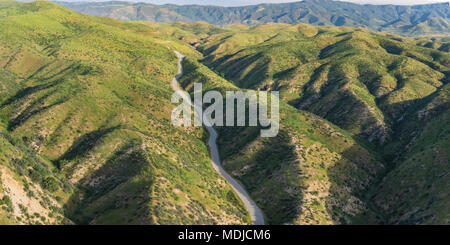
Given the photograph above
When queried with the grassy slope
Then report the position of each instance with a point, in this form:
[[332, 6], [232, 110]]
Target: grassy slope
[[361, 81], [358, 80], [311, 173], [23, 173], [92, 97], [416, 191], [92, 104], [26, 197]]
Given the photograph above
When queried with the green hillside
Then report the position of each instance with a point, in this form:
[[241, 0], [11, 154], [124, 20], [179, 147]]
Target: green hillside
[[388, 90], [406, 20], [361, 81], [417, 190], [311, 173], [91, 96], [86, 134]]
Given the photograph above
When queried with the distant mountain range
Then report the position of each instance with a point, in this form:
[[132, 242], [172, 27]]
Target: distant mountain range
[[405, 20]]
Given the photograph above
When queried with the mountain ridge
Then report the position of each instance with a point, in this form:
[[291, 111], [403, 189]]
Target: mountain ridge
[[386, 89], [412, 20], [86, 135]]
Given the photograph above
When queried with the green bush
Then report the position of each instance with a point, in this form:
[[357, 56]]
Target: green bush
[[6, 200], [50, 184]]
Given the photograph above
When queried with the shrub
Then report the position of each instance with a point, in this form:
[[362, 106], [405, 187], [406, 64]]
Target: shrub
[[7, 200], [50, 184]]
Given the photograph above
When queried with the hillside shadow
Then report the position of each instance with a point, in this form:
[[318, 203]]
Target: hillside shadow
[[299, 102], [30, 90], [234, 69], [84, 144], [273, 180], [410, 122], [333, 49], [100, 193], [343, 177], [29, 112]]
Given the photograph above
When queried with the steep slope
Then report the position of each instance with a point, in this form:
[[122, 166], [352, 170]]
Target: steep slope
[[311, 173], [340, 73], [361, 81], [416, 191], [92, 97], [85, 123], [406, 20], [31, 190]]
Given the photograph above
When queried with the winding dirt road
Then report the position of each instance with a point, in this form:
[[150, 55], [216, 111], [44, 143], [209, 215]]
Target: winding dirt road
[[255, 212]]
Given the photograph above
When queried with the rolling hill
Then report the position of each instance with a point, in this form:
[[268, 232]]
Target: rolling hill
[[88, 100], [388, 90], [312, 172], [361, 81], [86, 135]]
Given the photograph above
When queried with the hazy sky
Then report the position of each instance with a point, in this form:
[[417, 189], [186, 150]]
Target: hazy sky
[[249, 2]]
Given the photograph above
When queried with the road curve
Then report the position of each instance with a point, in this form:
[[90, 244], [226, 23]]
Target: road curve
[[255, 212]]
